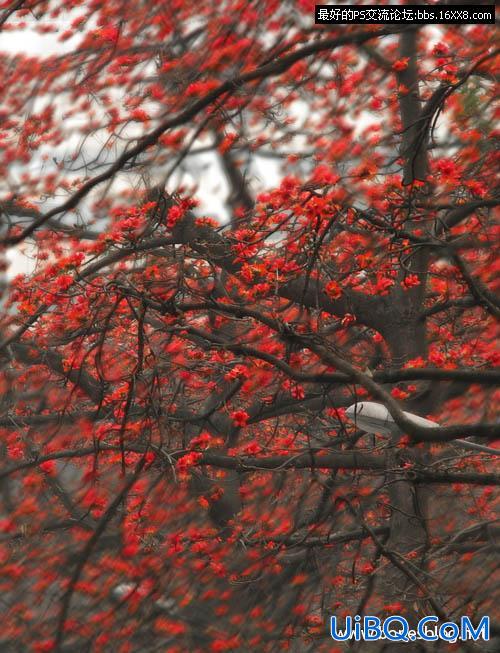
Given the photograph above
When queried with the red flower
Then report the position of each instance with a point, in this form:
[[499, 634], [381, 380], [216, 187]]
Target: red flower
[[399, 394], [130, 550], [139, 115], [64, 281], [437, 358], [337, 581], [439, 49], [297, 391], [333, 289], [410, 281], [201, 88], [48, 466], [175, 213], [393, 608], [45, 646], [253, 448], [367, 568], [186, 462], [109, 33], [240, 417], [348, 319], [382, 286], [401, 64], [201, 441]]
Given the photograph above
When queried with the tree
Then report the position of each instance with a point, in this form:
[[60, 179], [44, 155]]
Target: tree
[[178, 470]]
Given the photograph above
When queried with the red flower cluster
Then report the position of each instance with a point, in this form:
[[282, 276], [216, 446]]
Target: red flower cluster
[[240, 417]]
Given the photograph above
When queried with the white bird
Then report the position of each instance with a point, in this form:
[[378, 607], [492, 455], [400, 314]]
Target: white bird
[[373, 417]]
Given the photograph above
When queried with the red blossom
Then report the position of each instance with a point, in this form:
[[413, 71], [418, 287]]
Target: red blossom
[[401, 64], [48, 466], [333, 289], [140, 115], [410, 281], [175, 214], [382, 285], [397, 393], [240, 417], [184, 463]]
